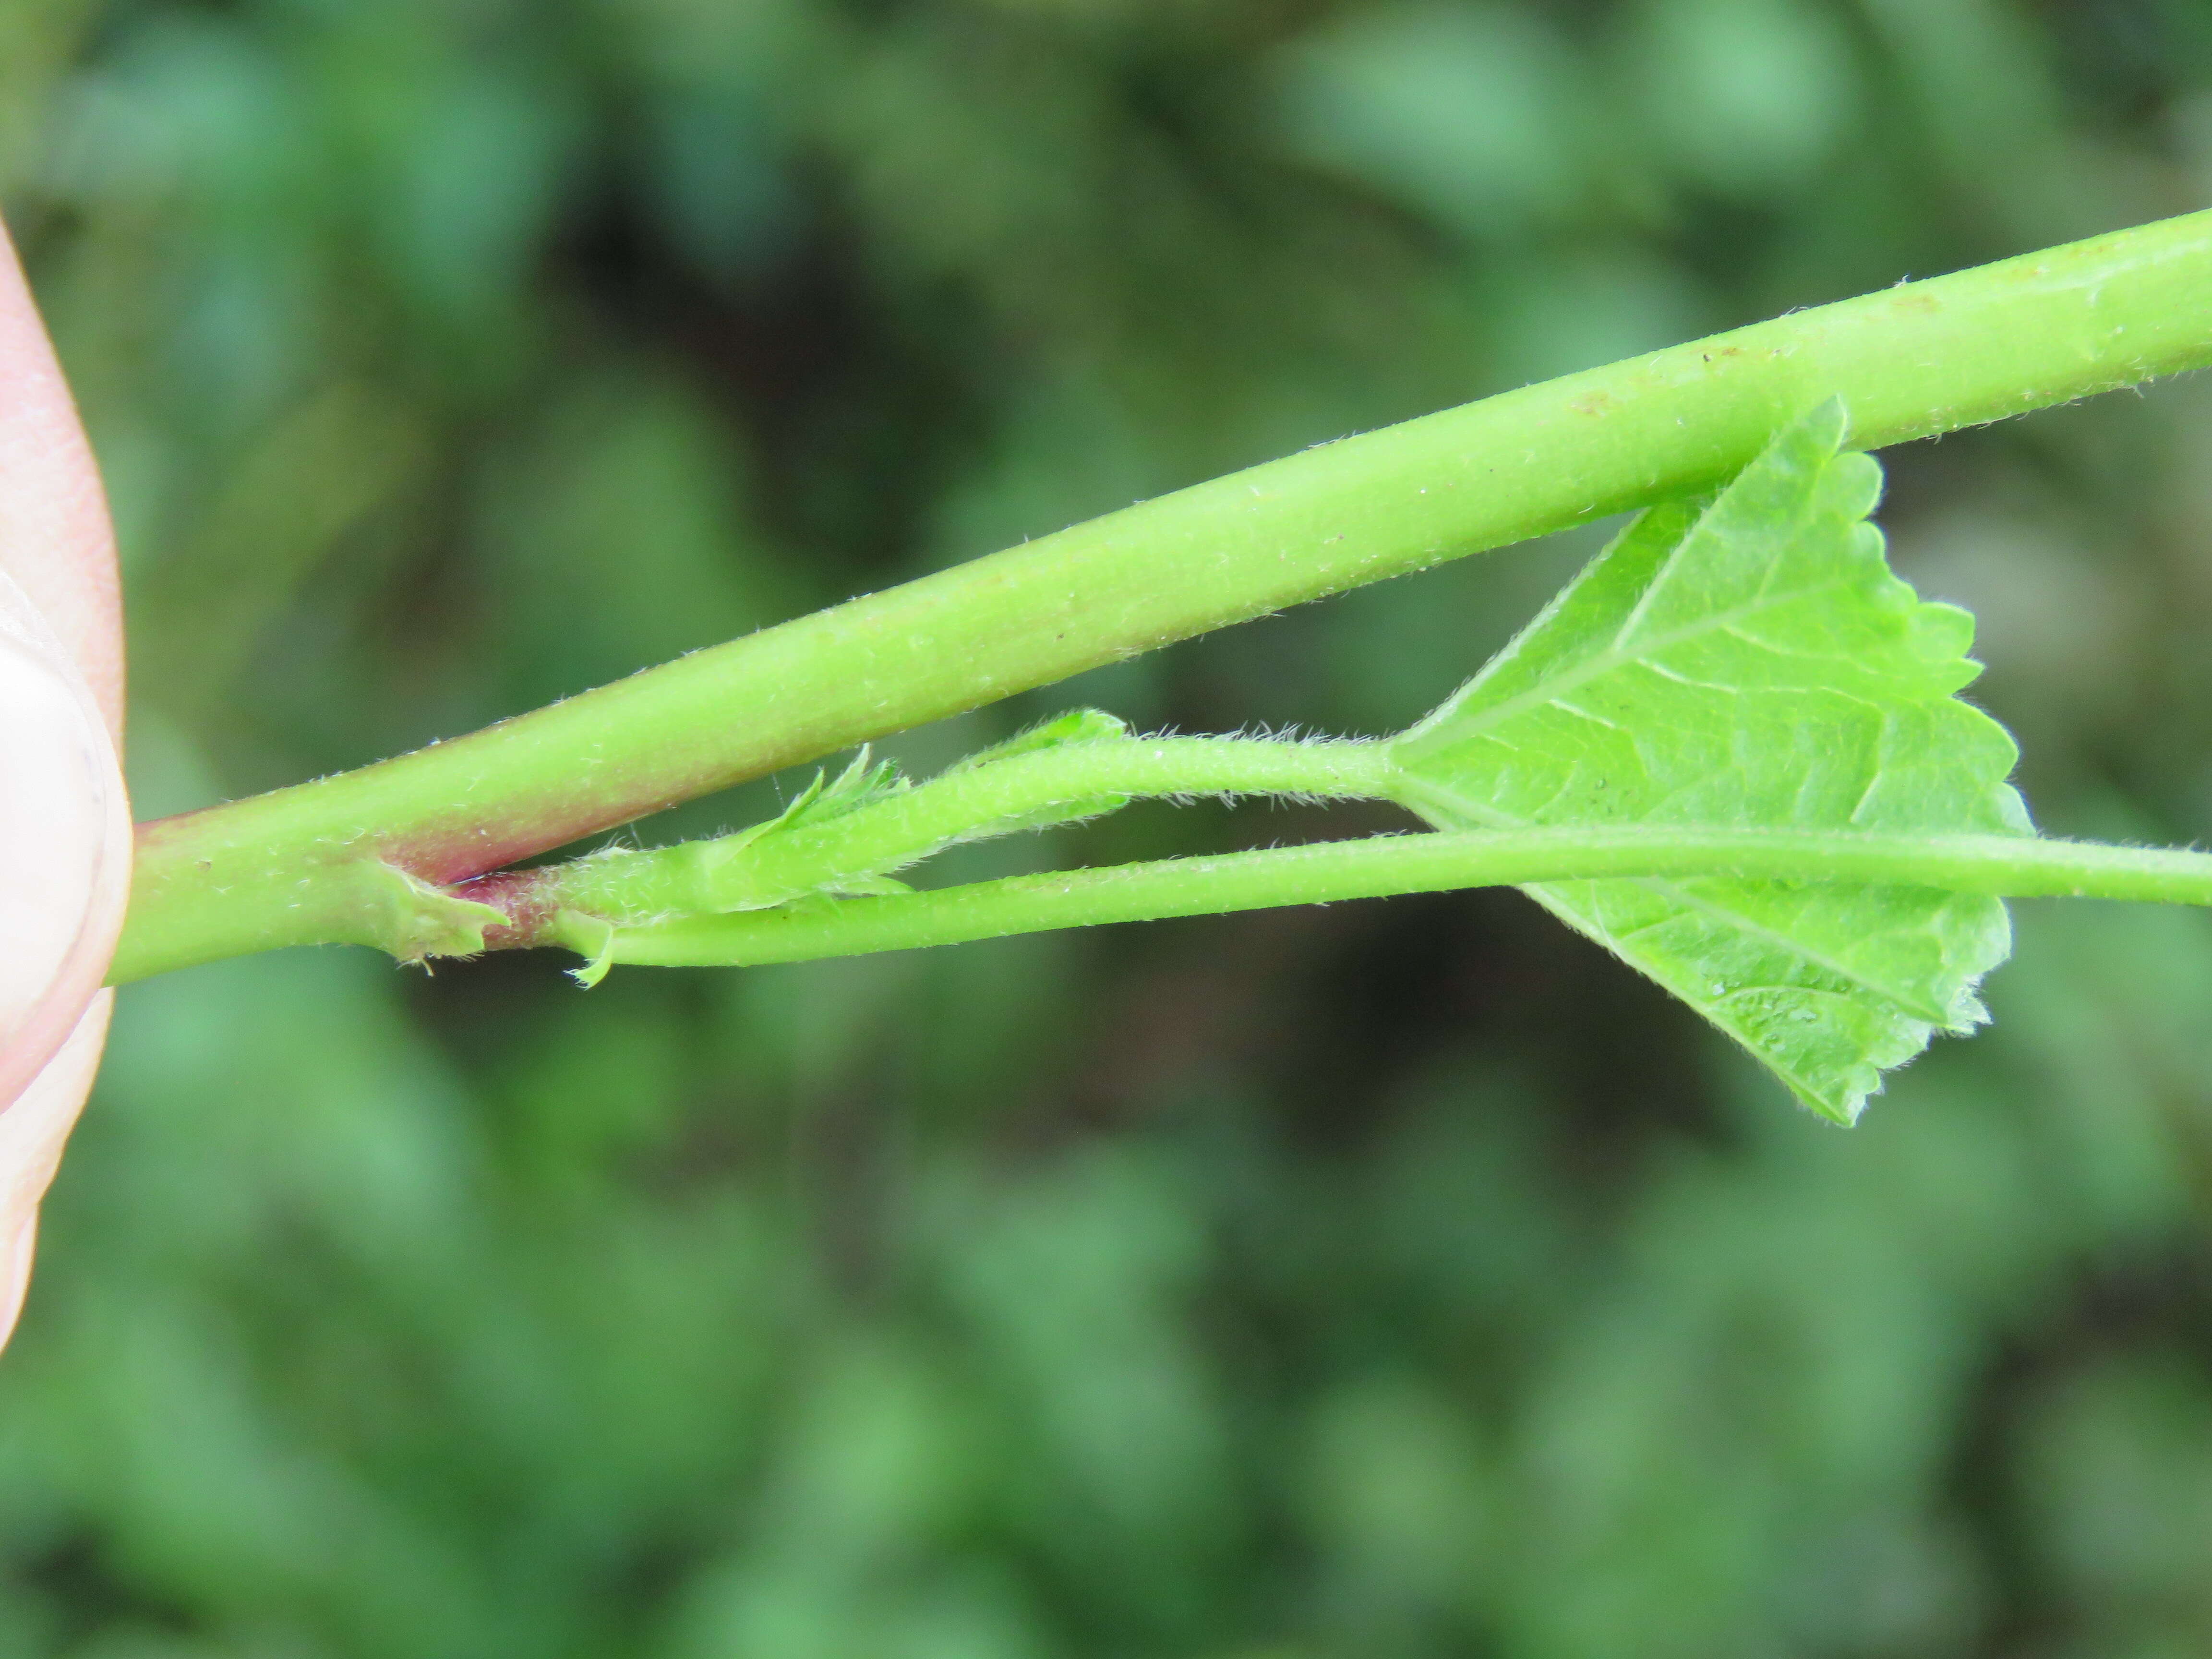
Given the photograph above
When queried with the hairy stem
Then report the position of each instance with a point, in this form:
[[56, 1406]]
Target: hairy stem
[[1910, 361], [2010, 866], [1056, 785]]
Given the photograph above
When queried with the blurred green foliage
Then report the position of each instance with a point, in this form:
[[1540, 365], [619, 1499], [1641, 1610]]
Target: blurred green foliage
[[1389, 1280]]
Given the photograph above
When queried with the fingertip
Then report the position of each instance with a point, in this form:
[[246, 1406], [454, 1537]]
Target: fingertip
[[15, 1258], [32, 1132]]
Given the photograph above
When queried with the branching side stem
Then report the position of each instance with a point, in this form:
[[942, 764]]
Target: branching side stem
[[1071, 780], [2010, 866]]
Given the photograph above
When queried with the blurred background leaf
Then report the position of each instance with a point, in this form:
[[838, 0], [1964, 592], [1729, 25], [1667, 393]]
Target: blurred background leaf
[[1391, 1281]]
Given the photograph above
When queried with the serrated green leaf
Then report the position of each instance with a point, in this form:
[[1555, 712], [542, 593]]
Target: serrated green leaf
[[1750, 661]]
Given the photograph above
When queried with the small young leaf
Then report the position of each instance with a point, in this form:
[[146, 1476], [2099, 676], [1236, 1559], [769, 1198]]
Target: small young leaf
[[1750, 661], [1076, 726], [864, 781]]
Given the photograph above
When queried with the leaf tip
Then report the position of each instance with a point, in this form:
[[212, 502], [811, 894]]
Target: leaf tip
[[1844, 1112]]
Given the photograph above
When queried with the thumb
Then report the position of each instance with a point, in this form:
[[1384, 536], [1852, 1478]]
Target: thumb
[[65, 844], [64, 869]]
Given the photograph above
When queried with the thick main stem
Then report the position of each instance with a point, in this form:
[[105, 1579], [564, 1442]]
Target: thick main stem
[[1910, 361], [1378, 868]]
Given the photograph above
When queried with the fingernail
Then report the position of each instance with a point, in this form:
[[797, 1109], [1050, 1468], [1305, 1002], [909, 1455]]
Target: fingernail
[[58, 792]]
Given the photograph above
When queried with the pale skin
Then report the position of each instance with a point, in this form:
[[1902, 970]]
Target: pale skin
[[64, 826]]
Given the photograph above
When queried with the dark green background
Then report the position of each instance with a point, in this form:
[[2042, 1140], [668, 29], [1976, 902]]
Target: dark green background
[[1387, 1280]]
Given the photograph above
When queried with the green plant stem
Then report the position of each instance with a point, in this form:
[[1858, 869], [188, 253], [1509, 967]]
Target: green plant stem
[[1377, 867], [1070, 781], [1910, 361]]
